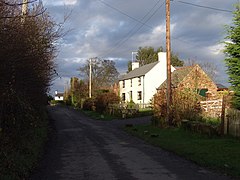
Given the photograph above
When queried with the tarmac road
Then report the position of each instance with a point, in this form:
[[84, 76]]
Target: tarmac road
[[84, 149]]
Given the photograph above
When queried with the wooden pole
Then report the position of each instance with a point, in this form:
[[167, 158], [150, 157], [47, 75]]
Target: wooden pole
[[24, 9], [168, 49], [223, 114], [90, 78]]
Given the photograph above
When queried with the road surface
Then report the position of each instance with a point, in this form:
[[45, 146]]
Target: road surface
[[84, 149]]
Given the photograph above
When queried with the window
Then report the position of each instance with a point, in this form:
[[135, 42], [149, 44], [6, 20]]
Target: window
[[130, 95], [139, 95], [123, 83], [202, 92], [131, 82], [139, 81], [123, 97]]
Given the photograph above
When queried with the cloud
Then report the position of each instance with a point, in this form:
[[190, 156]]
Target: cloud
[[111, 32], [60, 2]]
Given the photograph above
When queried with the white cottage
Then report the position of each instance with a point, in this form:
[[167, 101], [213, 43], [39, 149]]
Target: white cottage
[[140, 84], [58, 96]]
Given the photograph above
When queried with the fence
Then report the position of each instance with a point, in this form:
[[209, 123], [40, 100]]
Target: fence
[[230, 117], [212, 108], [232, 122]]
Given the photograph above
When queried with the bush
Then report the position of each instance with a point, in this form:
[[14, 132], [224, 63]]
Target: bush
[[201, 127], [185, 106], [89, 104], [131, 104], [105, 99]]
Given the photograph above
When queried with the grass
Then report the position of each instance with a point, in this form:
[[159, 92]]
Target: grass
[[20, 153], [106, 117], [145, 112], [99, 116], [218, 153]]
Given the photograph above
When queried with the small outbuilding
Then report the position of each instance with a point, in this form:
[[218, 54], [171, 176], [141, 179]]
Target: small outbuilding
[[58, 96]]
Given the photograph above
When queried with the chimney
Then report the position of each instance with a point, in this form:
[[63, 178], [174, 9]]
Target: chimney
[[56, 92], [162, 56], [135, 65]]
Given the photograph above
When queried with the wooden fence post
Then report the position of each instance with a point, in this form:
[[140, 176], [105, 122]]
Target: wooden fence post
[[223, 115]]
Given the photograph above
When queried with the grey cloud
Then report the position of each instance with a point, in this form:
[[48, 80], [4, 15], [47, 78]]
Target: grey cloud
[[98, 30]]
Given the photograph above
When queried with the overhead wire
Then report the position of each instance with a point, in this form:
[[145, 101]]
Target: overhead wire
[[132, 32], [123, 13], [206, 7]]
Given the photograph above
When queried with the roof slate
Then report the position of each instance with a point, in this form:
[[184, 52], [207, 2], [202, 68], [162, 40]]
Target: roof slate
[[59, 94], [139, 71], [220, 86], [177, 76]]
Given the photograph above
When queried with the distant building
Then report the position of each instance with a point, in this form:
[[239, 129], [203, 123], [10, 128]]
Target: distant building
[[140, 84], [58, 96]]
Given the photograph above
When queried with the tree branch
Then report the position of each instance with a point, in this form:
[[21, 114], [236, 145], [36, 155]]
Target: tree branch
[[16, 4]]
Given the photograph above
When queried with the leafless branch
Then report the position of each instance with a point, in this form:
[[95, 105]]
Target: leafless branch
[[2, 2]]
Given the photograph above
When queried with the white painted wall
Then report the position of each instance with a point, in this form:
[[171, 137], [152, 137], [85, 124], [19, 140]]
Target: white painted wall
[[58, 98], [155, 77], [149, 83]]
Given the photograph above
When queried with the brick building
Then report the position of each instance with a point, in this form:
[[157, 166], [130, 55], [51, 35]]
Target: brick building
[[194, 78]]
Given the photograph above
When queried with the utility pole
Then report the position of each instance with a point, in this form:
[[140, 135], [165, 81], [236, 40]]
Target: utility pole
[[168, 49], [90, 78], [24, 9]]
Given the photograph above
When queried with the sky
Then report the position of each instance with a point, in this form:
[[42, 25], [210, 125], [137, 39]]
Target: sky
[[113, 29]]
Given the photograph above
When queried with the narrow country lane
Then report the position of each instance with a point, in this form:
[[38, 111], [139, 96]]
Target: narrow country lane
[[82, 149]]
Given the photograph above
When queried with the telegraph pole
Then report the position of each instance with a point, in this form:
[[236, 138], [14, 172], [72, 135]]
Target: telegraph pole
[[90, 78], [24, 9], [168, 49]]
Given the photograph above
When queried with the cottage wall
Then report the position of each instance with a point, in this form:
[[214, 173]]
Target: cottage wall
[[198, 79]]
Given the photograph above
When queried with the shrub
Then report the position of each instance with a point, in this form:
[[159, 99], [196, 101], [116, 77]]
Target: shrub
[[105, 99], [89, 104], [185, 106], [131, 104]]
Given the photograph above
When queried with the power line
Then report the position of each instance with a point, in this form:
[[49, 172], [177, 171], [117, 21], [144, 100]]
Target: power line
[[121, 12], [206, 7], [132, 32]]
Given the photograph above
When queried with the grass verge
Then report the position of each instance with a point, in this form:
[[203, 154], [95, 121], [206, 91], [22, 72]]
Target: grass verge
[[99, 116], [20, 153], [218, 153]]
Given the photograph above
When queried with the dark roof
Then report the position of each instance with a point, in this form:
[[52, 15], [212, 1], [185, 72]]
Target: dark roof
[[177, 76], [139, 71], [59, 94], [220, 86]]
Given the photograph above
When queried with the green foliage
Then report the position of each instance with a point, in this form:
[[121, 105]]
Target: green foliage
[[232, 51], [185, 106], [148, 54], [131, 104], [89, 104], [105, 99], [27, 67], [175, 61], [77, 92], [20, 150], [99, 116]]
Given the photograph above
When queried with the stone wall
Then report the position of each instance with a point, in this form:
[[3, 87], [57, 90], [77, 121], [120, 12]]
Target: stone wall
[[198, 79]]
